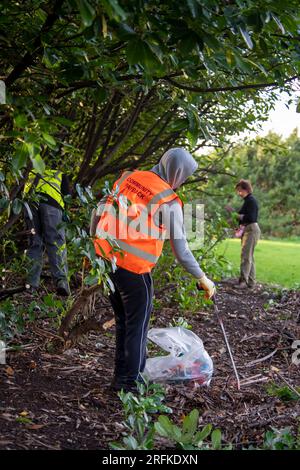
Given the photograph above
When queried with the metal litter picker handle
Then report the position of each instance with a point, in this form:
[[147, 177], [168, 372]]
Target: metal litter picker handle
[[220, 320]]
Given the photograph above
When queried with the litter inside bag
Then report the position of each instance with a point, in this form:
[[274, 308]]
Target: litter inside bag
[[188, 360]]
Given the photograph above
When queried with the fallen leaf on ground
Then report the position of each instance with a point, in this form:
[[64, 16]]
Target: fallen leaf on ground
[[9, 370], [34, 427], [108, 324]]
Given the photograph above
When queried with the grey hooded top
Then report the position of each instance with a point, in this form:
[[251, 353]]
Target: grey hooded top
[[175, 166]]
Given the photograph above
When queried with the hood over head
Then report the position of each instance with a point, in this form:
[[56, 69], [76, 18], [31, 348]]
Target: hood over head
[[175, 166]]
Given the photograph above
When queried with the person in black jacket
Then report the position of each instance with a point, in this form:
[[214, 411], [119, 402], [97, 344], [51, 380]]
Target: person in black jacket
[[247, 216]]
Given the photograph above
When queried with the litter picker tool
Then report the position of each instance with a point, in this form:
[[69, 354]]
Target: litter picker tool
[[220, 321]]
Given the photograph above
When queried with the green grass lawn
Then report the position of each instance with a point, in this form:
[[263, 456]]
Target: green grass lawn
[[277, 261]]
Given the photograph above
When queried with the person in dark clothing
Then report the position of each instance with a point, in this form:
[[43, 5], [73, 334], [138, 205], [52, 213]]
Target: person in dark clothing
[[249, 211], [150, 194], [247, 216], [46, 229]]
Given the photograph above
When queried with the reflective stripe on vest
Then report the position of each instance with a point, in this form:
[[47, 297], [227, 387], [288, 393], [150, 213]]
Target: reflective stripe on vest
[[129, 248], [155, 231], [163, 194], [49, 183], [131, 228], [123, 177]]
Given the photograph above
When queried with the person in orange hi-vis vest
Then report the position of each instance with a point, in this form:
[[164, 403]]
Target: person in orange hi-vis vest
[[144, 213]]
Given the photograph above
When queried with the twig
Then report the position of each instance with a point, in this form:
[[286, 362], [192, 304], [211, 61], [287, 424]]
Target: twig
[[252, 363], [250, 378], [262, 379], [247, 338], [48, 334], [4, 293]]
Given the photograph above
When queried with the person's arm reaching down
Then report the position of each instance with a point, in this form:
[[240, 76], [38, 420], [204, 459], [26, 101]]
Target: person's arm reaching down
[[172, 218]]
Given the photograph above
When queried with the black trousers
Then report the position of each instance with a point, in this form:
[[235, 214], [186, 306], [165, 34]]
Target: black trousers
[[132, 305]]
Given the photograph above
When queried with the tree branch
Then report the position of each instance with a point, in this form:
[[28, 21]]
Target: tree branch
[[28, 58], [228, 88]]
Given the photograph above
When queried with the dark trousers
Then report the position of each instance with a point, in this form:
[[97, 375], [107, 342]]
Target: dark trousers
[[132, 305], [49, 234]]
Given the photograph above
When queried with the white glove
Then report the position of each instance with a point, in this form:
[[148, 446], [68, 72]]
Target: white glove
[[208, 286]]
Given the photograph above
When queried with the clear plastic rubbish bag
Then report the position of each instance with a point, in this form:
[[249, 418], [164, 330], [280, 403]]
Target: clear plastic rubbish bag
[[188, 360]]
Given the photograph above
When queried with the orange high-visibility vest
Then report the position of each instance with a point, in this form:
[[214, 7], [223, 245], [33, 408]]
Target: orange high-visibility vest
[[126, 230]]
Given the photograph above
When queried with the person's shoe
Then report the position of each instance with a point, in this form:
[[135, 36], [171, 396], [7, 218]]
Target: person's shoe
[[126, 388], [62, 288], [117, 386], [242, 285]]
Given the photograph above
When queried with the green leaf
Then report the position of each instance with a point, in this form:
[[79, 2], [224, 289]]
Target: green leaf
[[4, 190], [17, 206], [100, 95], [203, 434], [114, 10], [177, 434], [134, 51], [157, 52], [164, 426], [21, 120], [71, 71], [116, 446], [278, 22], [104, 26], [211, 42], [20, 158], [193, 6], [193, 118], [38, 164], [229, 57], [192, 137], [130, 443], [139, 52], [125, 32], [246, 37], [110, 283], [23, 420], [190, 422], [216, 439], [179, 124], [255, 21], [30, 149], [49, 58], [298, 107], [89, 191], [80, 194], [87, 12], [263, 45], [258, 66], [242, 64], [4, 203], [189, 42], [49, 139], [64, 121]]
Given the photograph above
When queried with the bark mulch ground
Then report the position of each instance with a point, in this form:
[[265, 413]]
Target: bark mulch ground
[[63, 401]]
